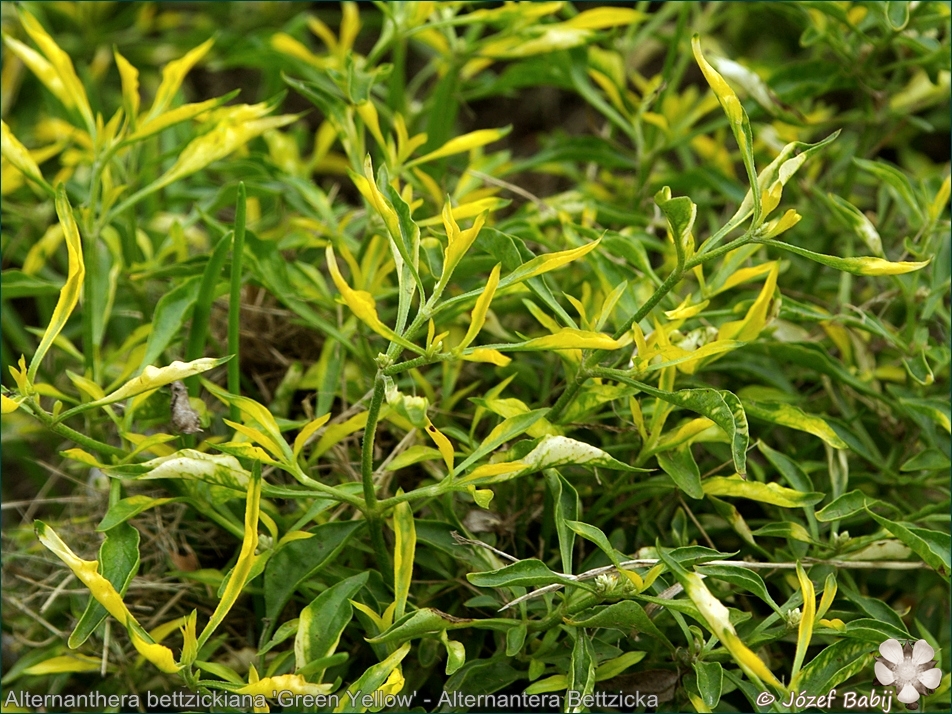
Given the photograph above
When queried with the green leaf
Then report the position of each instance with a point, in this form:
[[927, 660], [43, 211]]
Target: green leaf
[[710, 681], [721, 407], [843, 507], [322, 622], [626, 615], [919, 369], [17, 284], [741, 577], [834, 665], [581, 674], [934, 547], [121, 511], [298, 560], [171, 312], [928, 460], [428, 621], [119, 562], [566, 506], [897, 15], [680, 213], [772, 493], [530, 572], [895, 180], [680, 465]]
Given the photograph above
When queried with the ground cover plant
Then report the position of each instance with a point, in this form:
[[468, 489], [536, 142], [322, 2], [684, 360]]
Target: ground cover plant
[[535, 352]]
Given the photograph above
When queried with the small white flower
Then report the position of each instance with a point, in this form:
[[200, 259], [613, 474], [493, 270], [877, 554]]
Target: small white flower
[[910, 668]]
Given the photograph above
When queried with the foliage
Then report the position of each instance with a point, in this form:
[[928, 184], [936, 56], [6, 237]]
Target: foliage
[[645, 392]]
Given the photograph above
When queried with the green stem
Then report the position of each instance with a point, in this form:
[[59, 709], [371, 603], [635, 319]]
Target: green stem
[[372, 510], [234, 298], [71, 434]]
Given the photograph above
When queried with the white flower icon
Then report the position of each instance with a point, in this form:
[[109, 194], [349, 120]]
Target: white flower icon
[[910, 668]]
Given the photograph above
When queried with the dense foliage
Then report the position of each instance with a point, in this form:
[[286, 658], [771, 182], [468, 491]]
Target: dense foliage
[[488, 349]]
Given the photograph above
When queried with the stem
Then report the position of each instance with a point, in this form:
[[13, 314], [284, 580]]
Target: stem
[[71, 434], [372, 510], [234, 298]]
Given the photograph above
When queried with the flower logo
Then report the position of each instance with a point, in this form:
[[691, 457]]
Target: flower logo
[[910, 668]]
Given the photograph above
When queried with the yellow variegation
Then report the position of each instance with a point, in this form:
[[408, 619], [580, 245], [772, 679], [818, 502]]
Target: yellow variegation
[[464, 142], [87, 572], [294, 683], [63, 664], [246, 558], [483, 354], [717, 618], [757, 315], [73, 93], [403, 552], [601, 17], [550, 261], [307, 431], [152, 378], [570, 338], [69, 295], [478, 318], [9, 404], [172, 76], [362, 304], [129, 77], [442, 443], [19, 156], [807, 619], [171, 117]]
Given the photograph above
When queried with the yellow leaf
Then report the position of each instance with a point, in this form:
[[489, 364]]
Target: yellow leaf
[[403, 551], [41, 250], [368, 188], [462, 143], [686, 309], [878, 266], [483, 354], [442, 443], [294, 683], [756, 318], [18, 155], [43, 70], [829, 593], [807, 618], [189, 640], [941, 199], [232, 132], [486, 471], [362, 304], [159, 655], [745, 274], [349, 26], [10, 405], [336, 432], [173, 116], [478, 317], [69, 295], [601, 17], [570, 338], [286, 44], [172, 75], [550, 261], [130, 84], [722, 90], [63, 664], [368, 112], [779, 225], [458, 242], [307, 431], [74, 94], [246, 558]]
